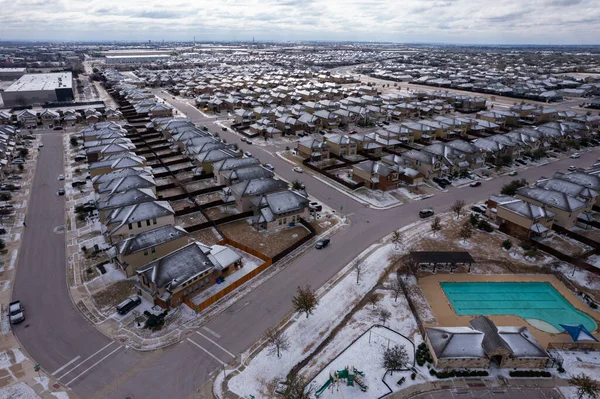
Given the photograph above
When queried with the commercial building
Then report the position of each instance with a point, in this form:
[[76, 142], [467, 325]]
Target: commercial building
[[12, 73], [39, 88]]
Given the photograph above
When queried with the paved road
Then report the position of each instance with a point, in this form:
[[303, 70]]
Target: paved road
[[494, 394], [56, 334]]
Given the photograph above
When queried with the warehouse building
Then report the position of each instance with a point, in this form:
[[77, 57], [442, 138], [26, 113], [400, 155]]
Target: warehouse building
[[39, 88], [12, 73]]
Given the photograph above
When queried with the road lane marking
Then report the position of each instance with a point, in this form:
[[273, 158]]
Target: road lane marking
[[66, 365], [210, 354], [92, 366], [208, 330], [220, 347], [88, 358]]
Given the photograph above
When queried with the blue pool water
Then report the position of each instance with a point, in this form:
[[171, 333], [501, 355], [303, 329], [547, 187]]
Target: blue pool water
[[528, 300]]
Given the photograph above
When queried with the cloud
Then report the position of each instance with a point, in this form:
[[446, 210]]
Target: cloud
[[160, 14]]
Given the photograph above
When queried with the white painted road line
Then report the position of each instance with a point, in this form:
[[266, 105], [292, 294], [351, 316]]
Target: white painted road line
[[210, 340], [88, 358], [207, 352], [66, 365], [92, 366], [211, 332]]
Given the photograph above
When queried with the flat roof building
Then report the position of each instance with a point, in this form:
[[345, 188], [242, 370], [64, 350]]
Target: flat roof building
[[39, 88], [12, 73], [135, 59]]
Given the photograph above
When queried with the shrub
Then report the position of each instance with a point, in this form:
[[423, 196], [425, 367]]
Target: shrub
[[474, 219], [432, 372], [5, 196], [593, 305], [560, 369], [525, 246], [413, 376], [485, 226], [530, 253], [530, 373], [507, 244], [420, 361]]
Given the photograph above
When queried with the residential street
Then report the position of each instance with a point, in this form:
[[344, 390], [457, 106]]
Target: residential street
[[58, 337]]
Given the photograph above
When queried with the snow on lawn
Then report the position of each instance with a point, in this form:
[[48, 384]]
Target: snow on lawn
[[576, 362], [366, 356], [377, 198], [112, 275], [18, 391], [6, 358], [43, 381]]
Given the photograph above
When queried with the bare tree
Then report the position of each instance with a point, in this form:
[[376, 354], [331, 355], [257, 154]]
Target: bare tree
[[305, 300], [373, 299], [397, 238], [357, 266], [436, 225], [295, 388], [277, 340], [586, 386], [396, 287], [384, 315], [457, 207], [466, 231], [395, 358]]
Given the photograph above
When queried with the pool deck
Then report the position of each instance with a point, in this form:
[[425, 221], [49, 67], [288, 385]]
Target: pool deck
[[445, 316]]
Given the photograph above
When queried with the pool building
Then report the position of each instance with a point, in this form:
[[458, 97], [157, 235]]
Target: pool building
[[482, 343]]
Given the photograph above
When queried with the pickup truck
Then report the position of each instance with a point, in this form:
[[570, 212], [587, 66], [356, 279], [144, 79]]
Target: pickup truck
[[16, 312]]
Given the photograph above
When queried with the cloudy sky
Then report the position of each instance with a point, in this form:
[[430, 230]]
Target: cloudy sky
[[442, 21]]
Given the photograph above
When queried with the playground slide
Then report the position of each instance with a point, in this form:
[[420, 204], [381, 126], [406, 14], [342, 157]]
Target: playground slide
[[324, 387], [359, 381]]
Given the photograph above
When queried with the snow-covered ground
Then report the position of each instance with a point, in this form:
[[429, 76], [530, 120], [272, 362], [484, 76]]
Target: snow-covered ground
[[306, 333], [377, 198], [576, 362], [18, 391]]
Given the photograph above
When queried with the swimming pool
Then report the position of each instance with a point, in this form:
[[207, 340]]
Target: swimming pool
[[537, 302]]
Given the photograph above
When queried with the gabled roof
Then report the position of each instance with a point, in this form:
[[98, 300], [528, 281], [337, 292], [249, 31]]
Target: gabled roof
[[553, 199], [249, 173], [274, 204], [150, 238], [530, 211], [137, 213], [571, 189], [126, 198], [126, 183], [375, 168], [234, 163], [250, 188]]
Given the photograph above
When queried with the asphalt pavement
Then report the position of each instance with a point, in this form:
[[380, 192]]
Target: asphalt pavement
[[58, 337]]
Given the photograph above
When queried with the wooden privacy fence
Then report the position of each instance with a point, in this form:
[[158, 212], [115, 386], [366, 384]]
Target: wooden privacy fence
[[236, 284]]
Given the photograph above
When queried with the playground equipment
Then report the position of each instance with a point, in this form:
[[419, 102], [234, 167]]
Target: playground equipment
[[350, 374]]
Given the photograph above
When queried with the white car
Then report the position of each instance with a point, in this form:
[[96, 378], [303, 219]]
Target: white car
[[269, 166], [575, 155], [297, 169], [41, 145], [61, 177], [572, 168], [248, 154]]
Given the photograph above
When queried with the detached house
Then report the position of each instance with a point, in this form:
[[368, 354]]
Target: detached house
[[312, 149], [139, 250], [280, 209], [376, 175], [243, 193], [185, 273], [122, 199], [427, 164], [566, 209], [134, 219], [341, 145], [523, 220]]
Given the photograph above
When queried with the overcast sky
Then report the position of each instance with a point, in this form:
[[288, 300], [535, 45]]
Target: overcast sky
[[442, 21]]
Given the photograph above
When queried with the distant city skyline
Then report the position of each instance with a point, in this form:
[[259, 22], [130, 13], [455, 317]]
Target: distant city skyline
[[418, 21]]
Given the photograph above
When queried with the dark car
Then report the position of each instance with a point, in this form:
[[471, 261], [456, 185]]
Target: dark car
[[322, 243], [425, 213], [520, 162], [224, 129], [61, 191], [129, 304], [440, 182], [58, 128], [475, 184]]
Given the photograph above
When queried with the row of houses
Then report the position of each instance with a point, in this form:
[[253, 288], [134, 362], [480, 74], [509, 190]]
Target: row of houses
[[30, 117]]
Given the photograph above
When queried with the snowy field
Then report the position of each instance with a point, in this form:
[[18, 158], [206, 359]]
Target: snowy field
[[377, 198], [365, 354]]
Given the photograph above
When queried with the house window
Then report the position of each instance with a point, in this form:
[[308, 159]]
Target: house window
[[153, 250], [154, 221], [185, 292], [148, 222], [145, 252], [139, 225], [207, 280], [196, 287], [130, 226]]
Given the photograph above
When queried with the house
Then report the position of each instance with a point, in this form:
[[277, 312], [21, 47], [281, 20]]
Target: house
[[341, 145], [229, 177], [566, 209], [428, 165], [27, 117], [482, 343], [185, 273], [102, 151], [139, 250], [289, 125], [375, 175], [205, 160], [112, 163], [578, 191], [230, 164], [121, 199], [117, 174], [244, 192], [126, 183], [473, 155], [312, 149], [49, 117], [524, 220], [135, 219], [280, 209]]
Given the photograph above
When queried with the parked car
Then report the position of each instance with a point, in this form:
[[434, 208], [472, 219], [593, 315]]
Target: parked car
[[570, 169], [297, 169], [248, 154], [575, 155], [10, 187], [61, 191], [315, 206], [479, 208], [353, 132], [439, 182], [322, 243], [78, 183], [128, 305], [58, 128], [425, 213], [269, 166], [248, 142], [79, 158], [15, 177], [243, 139], [513, 173], [475, 184], [224, 129], [61, 177], [16, 312], [520, 162], [2, 230]]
